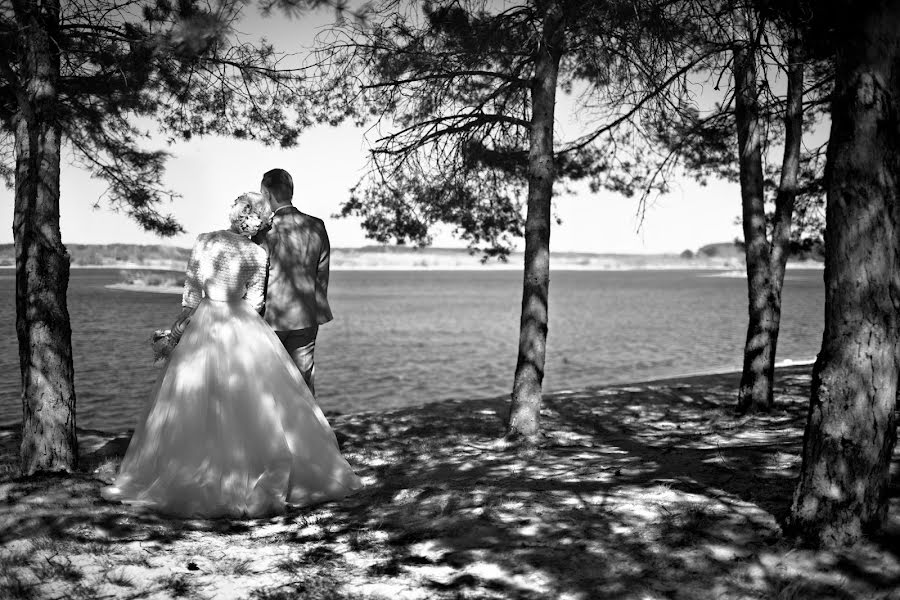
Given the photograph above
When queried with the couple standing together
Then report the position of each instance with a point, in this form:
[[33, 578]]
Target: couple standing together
[[232, 428]]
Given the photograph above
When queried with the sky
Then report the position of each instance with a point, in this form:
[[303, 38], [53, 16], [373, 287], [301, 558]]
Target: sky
[[209, 173]]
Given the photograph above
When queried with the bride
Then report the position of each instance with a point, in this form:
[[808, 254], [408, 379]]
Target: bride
[[230, 428]]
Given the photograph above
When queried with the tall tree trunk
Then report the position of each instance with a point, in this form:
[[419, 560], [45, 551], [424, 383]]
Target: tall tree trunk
[[851, 428], [524, 414], [787, 193], [42, 263], [754, 394], [766, 262]]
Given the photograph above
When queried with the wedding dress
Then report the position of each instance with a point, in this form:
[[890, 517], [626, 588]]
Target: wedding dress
[[230, 428]]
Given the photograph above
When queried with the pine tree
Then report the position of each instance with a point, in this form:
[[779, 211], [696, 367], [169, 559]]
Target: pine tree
[[466, 93], [852, 424], [80, 76]]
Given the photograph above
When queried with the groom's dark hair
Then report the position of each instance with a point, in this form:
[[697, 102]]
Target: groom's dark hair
[[280, 183]]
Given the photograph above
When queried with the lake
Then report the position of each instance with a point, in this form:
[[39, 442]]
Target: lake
[[403, 338]]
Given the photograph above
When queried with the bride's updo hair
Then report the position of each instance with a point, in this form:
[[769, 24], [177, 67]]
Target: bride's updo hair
[[248, 214]]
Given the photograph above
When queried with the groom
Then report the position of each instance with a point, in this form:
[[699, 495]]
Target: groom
[[297, 293]]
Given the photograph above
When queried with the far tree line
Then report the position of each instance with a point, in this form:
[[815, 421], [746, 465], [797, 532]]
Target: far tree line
[[466, 98]]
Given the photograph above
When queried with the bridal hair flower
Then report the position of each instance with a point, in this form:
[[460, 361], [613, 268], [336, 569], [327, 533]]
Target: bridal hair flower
[[248, 215]]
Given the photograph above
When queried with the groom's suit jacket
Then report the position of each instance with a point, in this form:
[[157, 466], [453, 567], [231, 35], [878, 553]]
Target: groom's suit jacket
[[299, 253]]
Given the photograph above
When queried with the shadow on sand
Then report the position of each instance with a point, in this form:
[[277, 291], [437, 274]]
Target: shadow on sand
[[651, 490]]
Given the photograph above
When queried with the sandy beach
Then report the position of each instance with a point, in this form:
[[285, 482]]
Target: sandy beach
[[652, 490]]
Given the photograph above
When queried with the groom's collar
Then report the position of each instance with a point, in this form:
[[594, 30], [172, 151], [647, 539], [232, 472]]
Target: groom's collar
[[283, 209]]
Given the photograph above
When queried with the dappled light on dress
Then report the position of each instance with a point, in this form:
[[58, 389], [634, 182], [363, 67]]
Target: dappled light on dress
[[231, 429]]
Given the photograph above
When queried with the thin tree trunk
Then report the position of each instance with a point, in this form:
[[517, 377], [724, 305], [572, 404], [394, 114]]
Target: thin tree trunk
[[766, 262], [851, 428], [754, 392], [524, 414], [42, 263], [787, 193]]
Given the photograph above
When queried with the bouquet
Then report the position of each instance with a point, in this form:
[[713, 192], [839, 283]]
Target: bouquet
[[163, 341]]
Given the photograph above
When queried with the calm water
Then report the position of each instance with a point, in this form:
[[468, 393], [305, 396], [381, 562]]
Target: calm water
[[410, 337]]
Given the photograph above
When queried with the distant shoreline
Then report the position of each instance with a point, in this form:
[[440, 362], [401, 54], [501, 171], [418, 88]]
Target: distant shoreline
[[725, 256], [716, 270], [722, 272], [155, 289], [715, 258], [123, 266]]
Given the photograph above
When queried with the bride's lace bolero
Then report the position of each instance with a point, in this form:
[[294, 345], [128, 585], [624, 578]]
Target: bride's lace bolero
[[226, 266]]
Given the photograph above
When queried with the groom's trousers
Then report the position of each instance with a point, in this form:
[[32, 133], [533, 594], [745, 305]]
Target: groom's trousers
[[301, 345]]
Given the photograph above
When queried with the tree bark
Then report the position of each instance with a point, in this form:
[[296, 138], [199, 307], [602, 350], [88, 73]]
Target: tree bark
[[766, 261], [42, 263], [525, 406], [851, 428]]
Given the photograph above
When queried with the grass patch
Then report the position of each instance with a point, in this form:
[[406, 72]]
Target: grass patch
[[176, 585], [118, 577], [55, 547], [316, 587], [103, 549], [319, 555], [238, 567], [136, 559], [687, 525], [12, 560], [55, 568], [361, 540], [291, 565], [83, 592], [13, 588]]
